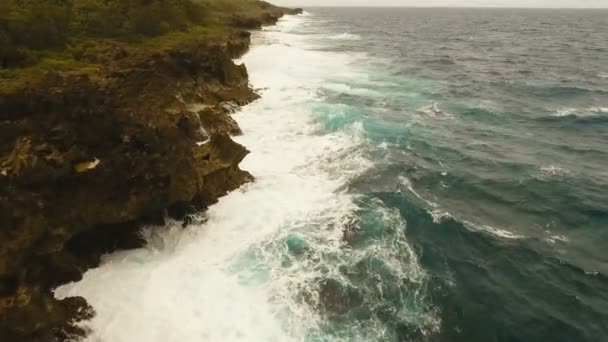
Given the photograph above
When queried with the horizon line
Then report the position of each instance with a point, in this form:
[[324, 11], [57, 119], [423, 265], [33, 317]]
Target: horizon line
[[452, 7]]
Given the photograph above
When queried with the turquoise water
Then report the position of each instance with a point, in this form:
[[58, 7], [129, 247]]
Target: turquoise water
[[421, 175], [497, 120]]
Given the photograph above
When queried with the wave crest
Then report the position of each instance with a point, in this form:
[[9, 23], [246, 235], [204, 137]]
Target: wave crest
[[345, 36]]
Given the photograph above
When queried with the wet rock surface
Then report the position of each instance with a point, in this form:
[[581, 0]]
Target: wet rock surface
[[88, 156]]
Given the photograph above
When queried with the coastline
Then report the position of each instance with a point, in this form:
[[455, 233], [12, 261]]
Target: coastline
[[90, 155], [256, 267], [407, 187]]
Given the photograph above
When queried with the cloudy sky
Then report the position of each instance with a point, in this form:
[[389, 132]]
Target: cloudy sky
[[449, 3]]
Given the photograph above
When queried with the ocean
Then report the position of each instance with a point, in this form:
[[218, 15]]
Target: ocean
[[422, 175]]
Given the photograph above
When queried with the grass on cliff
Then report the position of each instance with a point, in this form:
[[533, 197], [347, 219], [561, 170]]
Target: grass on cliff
[[38, 35]]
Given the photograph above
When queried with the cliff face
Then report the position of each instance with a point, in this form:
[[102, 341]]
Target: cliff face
[[87, 156]]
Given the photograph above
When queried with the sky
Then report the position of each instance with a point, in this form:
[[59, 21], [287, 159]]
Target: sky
[[450, 3]]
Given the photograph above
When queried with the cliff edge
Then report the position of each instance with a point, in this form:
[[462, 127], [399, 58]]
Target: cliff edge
[[91, 152]]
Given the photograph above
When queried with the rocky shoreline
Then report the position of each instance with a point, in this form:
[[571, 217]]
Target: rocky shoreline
[[88, 156]]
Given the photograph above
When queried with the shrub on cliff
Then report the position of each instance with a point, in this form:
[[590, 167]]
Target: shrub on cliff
[[29, 26], [54, 29]]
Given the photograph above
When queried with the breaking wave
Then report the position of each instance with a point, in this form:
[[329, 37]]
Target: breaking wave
[[294, 256]]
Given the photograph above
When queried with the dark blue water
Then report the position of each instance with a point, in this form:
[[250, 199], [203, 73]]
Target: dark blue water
[[494, 133], [421, 175]]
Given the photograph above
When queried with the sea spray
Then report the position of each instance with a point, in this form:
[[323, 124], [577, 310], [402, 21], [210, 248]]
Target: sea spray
[[283, 257]]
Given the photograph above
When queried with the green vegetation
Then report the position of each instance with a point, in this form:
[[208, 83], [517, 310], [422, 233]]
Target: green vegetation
[[53, 32]]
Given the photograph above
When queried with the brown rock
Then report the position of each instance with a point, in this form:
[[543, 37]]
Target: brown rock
[[88, 156], [91, 153]]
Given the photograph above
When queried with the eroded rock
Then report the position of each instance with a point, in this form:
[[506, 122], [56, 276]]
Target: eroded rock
[[86, 156]]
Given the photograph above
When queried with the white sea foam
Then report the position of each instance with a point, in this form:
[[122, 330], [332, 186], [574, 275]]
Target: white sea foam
[[348, 89], [581, 112], [225, 279], [439, 215], [345, 36], [433, 111], [554, 170], [565, 112], [555, 238], [499, 232], [599, 110]]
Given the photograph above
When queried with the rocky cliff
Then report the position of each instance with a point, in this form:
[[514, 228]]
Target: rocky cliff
[[88, 155]]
